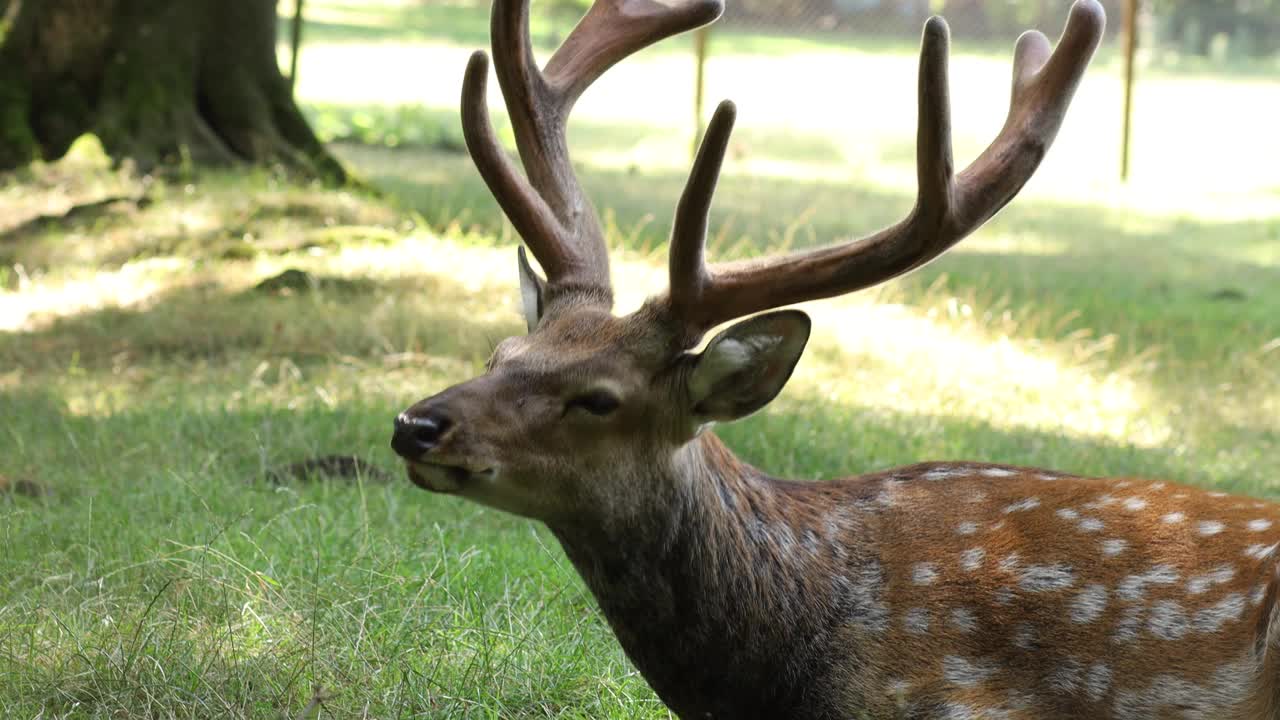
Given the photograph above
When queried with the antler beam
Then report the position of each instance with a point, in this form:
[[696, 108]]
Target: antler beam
[[549, 208], [948, 206]]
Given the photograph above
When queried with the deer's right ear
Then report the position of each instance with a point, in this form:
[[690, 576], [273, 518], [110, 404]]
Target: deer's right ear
[[532, 290], [745, 366]]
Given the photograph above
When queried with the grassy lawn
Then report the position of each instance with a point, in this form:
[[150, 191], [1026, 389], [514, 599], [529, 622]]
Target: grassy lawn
[[147, 381]]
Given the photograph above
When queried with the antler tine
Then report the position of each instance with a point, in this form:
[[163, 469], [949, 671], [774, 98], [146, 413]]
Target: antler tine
[[528, 212], [1043, 85], [688, 270], [613, 29], [549, 209], [948, 206]]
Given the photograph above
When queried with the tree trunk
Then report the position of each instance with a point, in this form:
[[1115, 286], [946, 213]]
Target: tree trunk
[[157, 81]]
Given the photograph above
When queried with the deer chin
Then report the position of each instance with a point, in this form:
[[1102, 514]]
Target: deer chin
[[445, 478]]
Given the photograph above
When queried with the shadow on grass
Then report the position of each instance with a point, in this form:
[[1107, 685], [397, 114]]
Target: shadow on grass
[[216, 220], [329, 316]]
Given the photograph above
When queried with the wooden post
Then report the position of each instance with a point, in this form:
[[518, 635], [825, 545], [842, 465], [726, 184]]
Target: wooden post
[[700, 57], [297, 43], [1130, 47]]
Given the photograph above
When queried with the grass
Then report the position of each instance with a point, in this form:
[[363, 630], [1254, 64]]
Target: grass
[[148, 382]]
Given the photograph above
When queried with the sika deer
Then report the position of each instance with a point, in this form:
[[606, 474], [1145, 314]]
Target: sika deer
[[936, 591]]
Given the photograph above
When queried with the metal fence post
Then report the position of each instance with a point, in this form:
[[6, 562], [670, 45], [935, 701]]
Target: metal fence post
[[297, 43], [1130, 47], [700, 57]]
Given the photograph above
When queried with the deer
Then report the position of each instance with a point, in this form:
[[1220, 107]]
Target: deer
[[937, 591]]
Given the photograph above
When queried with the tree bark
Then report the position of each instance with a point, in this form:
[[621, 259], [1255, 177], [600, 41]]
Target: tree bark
[[159, 82]]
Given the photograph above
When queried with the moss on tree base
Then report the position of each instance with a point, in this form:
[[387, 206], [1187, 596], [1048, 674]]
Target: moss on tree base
[[160, 83]]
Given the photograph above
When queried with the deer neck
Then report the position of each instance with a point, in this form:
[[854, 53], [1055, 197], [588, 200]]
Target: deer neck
[[720, 585]]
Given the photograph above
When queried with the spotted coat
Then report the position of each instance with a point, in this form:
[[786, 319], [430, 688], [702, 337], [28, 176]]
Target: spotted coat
[[949, 591]]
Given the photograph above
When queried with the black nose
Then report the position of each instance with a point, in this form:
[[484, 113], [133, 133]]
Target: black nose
[[417, 435]]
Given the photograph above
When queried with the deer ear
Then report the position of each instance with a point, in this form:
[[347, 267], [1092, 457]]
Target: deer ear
[[745, 366], [532, 289]]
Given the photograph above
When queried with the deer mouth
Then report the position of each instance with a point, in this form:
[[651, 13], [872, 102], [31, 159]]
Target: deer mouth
[[443, 477]]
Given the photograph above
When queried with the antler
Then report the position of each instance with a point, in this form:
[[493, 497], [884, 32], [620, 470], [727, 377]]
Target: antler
[[948, 206], [549, 209]]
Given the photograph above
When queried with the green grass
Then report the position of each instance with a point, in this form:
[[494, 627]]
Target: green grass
[[147, 383]]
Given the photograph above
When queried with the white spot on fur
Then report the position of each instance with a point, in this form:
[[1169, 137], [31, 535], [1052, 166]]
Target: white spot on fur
[[1168, 621], [1010, 562], [1217, 494], [1023, 505], [1065, 677], [1104, 500], [972, 558], [1067, 514], [998, 472], [1133, 588], [1212, 618], [957, 711], [1122, 484], [944, 473], [1258, 525], [1135, 504], [967, 528], [1048, 477], [916, 621], [1097, 680], [1090, 524], [1173, 518], [1200, 584], [1259, 592], [861, 596], [1046, 578], [1170, 696], [889, 491], [1089, 604], [964, 672], [1210, 527], [1258, 551], [1114, 547], [964, 620], [924, 574]]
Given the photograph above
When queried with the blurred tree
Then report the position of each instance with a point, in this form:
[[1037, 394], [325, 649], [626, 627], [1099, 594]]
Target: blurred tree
[[157, 81], [1251, 27]]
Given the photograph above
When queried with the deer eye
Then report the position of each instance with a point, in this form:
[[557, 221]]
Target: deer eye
[[596, 402]]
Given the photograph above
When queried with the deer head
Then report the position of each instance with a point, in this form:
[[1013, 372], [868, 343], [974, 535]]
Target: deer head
[[567, 419]]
